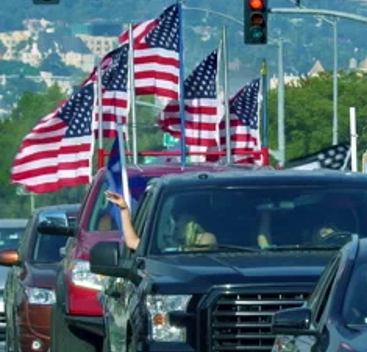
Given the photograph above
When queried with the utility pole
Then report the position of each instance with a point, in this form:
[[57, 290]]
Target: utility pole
[[281, 103]]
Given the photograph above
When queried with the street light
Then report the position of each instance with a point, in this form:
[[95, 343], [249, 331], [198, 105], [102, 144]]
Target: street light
[[335, 70]]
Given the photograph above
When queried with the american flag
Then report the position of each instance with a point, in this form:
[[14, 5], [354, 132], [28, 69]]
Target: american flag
[[156, 56], [201, 106], [114, 92], [244, 124], [140, 30], [336, 157], [58, 150]]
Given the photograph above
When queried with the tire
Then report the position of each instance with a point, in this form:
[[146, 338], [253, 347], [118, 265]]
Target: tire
[[62, 339]]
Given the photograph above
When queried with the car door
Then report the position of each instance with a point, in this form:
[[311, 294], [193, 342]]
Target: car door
[[117, 290]]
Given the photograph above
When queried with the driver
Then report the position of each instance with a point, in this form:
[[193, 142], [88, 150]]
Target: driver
[[324, 231]]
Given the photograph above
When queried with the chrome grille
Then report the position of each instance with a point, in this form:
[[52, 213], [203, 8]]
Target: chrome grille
[[242, 321]]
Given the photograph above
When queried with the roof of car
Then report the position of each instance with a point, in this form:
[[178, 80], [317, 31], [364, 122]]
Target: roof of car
[[11, 223], [155, 169], [262, 176], [68, 207]]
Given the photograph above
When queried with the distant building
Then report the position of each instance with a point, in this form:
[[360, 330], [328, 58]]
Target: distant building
[[100, 37]]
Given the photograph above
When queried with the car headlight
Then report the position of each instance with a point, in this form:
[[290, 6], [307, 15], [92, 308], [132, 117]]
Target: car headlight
[[158, 307], [42, 296], [82, 276]]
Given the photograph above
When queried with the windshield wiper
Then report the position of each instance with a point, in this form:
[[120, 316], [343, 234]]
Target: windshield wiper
[[224, 247], [307, 247]]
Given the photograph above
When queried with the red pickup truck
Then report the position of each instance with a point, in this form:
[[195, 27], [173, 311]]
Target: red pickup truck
[[76, 317]]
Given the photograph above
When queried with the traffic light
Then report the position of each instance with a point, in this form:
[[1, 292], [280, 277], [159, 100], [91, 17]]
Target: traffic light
[[256, 22]]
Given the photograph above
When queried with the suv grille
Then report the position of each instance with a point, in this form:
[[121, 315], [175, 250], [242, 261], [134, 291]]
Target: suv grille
[[242, 322]]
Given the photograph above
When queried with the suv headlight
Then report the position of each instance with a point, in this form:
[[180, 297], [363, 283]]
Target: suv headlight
[[158, 307], [83, 277], [42, 296]]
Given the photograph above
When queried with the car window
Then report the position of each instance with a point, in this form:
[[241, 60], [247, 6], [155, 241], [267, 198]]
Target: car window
[[273, 216], [355, 304], [105, 216], [10, 237], [320, 296], [47, 247]]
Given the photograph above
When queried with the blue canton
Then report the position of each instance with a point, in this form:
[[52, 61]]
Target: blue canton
[[202, 83], [245, 104], [114, 78], [77, 113], [165, 34]]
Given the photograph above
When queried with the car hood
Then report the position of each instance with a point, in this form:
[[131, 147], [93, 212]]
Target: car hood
[[198, 272], [3, 275], [43, 274]]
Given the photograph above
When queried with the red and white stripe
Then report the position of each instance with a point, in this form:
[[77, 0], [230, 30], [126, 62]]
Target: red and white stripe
[[156, 70], [47, 161], [201, 121]]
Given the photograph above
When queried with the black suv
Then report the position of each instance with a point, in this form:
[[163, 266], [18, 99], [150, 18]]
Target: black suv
[[275, 232]]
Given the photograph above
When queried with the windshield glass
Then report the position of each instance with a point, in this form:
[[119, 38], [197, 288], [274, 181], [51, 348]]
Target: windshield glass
[[266, 217], [10, 237]]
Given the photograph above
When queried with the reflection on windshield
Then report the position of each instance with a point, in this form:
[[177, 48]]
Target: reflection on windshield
[[10, 237], [260, 217]]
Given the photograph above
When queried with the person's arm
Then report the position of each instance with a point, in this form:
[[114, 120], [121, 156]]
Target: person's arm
[[131, 237]]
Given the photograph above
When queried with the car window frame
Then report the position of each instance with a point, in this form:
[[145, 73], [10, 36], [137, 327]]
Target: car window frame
[[323, 292]]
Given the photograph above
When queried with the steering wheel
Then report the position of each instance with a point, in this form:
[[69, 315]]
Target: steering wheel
[[337, 237]]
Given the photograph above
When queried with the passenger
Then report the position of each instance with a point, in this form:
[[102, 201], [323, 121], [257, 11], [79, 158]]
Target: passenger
[[186, 228]]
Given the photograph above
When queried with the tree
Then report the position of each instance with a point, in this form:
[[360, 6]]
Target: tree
[[309, 113]]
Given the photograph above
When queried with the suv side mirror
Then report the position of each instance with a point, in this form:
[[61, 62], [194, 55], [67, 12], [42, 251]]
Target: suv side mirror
[[47, 228], [56, 222], [9, 257], [105, 259], [293, 321]]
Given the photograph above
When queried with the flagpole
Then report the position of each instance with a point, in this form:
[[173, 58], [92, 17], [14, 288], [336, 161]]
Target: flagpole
[[219, 97], [225, 96], [182, 84], [132, 95], [100, 155], [265, 127]]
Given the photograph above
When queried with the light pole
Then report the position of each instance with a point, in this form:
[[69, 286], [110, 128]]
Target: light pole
[[335, 71]]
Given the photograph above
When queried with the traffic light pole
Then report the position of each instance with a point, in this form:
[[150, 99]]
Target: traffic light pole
[[349, 16]]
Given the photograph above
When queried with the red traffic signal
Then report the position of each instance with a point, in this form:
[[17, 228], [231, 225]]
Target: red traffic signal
[[255, 21], [256, 5]]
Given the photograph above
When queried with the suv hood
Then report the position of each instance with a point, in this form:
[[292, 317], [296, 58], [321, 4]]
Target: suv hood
[[196, 273]]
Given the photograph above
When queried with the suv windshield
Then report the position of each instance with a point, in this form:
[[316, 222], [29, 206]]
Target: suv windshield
[[259, 217]]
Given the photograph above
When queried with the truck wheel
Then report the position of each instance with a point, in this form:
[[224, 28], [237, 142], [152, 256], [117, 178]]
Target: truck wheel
[[62, 339]]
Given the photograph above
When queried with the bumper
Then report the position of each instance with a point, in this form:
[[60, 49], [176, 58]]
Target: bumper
[[92, 325], [34, 327]]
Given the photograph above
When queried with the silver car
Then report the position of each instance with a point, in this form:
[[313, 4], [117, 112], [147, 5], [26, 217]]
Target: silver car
[[11, 231]]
